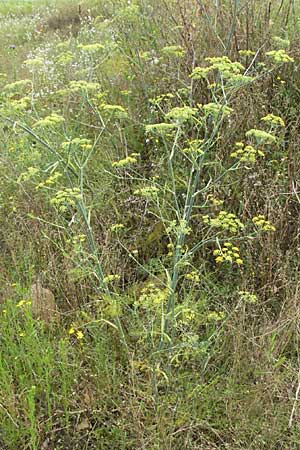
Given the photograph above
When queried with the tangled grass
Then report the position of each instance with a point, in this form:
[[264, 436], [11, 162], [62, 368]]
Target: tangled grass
[[149, 166]]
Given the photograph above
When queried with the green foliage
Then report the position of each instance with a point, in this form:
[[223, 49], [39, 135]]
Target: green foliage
[[148, 171]]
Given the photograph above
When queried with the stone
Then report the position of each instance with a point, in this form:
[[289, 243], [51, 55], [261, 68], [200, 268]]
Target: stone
[[44, 306]]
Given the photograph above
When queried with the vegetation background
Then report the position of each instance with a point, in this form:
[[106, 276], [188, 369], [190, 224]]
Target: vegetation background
[[149, 182]]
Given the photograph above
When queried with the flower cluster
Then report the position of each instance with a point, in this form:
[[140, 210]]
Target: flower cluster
[[110, 278], [156, 101], [173, 50], [261, 136], [177, 248], [82, 85], [280, 43], [152, 297], [214, 201], [232, 72], [228, 253], [185, 316], [247, 297], [193, 276], [246, 153], [170, 248], [161, 129], [148, 192], [216, 111], [75, 332], [77, 242], [181, 114], [65, 58], [246, 53], [66, 198], [178, 227], [116, 111], [273, 120], [194, 147], [82, 143], [262, 223], [116, 227], [49, 121], [279, 56], [50, 181], [225, 221], [29, 174], [215, 316], [15, 87], [221, 64], [19, 105], [130, 159], [91, 48], [34, 62]]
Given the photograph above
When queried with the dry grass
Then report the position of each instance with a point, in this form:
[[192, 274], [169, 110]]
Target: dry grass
[[105, 376]]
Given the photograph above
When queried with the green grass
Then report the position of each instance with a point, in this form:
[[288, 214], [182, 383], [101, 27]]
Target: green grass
[[18, 7], [172, 252], [29, 7]]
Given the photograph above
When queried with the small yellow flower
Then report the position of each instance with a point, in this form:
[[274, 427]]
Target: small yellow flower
[[117, 227], [79, 335], [71, 330], [110, 278], [219, 259], [21, 303], [228, 253], [193, 276], [215, 316]]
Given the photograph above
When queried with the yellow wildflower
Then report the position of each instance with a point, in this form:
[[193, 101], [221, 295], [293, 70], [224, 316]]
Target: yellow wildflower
[[21, 303], [79, 335]]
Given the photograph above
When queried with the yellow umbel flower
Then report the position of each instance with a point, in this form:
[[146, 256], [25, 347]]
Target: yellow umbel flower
[[228, 253]]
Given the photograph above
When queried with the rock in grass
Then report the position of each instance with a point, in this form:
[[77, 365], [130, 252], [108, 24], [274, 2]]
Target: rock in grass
[[44, 306]]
